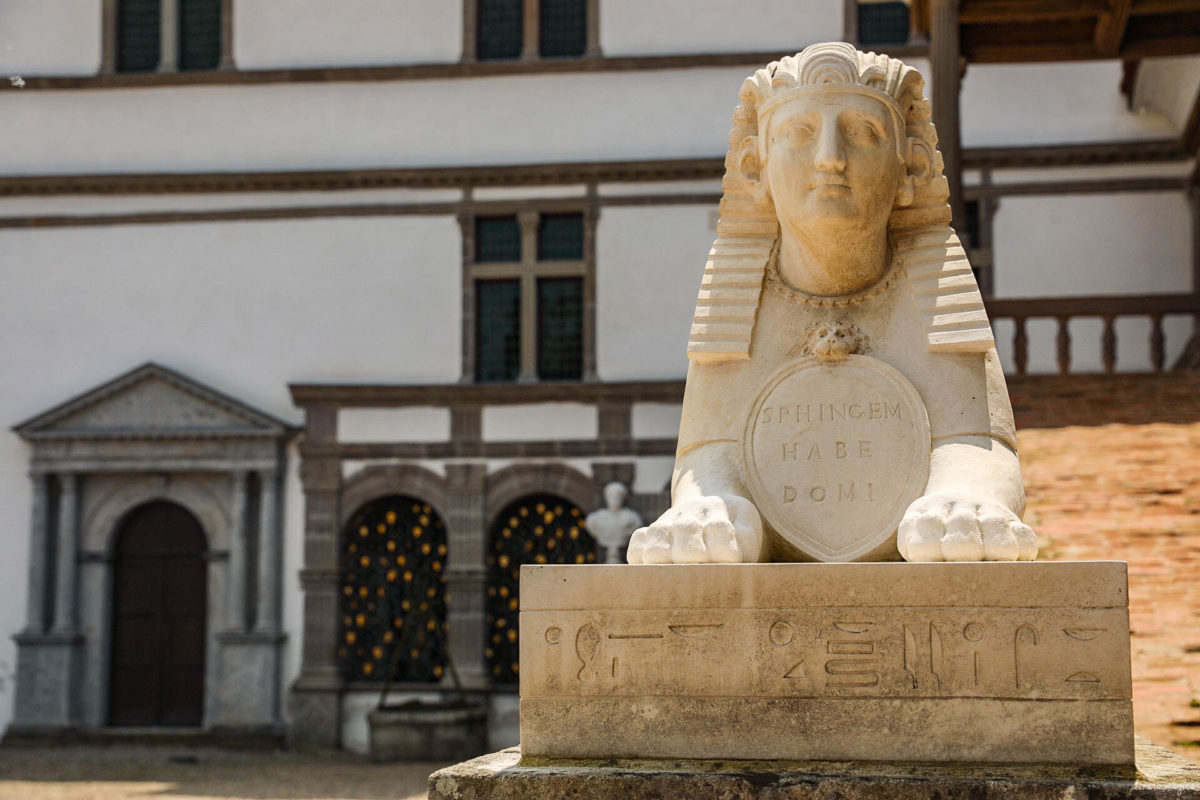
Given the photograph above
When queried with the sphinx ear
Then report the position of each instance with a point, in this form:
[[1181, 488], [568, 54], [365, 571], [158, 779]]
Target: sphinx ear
[[749, 168], [918, 170]]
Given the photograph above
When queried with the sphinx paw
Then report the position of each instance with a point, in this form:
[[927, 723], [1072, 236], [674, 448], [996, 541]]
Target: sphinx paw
[[949, 526], [713, 529]]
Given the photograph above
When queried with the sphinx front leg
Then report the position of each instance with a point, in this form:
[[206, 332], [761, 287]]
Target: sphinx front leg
[[971, 510], [709, 521]]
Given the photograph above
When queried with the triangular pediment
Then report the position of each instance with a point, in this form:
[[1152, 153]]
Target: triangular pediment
[[152, 402]]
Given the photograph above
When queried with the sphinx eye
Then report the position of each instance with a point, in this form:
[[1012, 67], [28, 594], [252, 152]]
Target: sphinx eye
[[799, 133], [863, 131]]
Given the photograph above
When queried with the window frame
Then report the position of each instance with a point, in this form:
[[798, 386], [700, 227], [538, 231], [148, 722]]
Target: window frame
[[528, 270], [171, 15], [531, 32], [850, 27]]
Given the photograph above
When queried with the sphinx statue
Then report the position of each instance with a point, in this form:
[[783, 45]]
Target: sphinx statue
[[844, 398]]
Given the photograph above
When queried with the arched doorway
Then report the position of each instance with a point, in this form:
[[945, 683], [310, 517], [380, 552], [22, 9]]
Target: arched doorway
[[393, 602], [537, 529], [159, 622]]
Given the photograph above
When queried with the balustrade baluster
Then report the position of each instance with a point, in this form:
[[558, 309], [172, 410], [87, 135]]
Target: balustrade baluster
[[1109, 344], [1063, 342], [1157, 355], [1020, 345]]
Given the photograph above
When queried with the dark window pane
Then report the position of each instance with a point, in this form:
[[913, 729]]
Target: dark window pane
[[393, 593], [882, 23], [971, 223], [499, 35], [497, 239], [563, 27], [560, 328], [199, 34], [560, 237], [539, 529], [137, 35], [497, 330]]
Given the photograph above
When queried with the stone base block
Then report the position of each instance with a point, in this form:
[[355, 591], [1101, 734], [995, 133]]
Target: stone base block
[[419, 731], [247, 690], [968, 663], [1161, 775], [48, 678]]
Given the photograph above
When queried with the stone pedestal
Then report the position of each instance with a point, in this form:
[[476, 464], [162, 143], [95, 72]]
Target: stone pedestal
[[247, 693], [960, 663], [1161, 775], [48, 671]]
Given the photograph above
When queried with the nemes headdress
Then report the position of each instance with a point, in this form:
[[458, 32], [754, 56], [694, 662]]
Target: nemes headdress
[[927, 248]]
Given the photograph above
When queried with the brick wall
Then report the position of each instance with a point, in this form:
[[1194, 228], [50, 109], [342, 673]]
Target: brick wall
[[1112, 471]]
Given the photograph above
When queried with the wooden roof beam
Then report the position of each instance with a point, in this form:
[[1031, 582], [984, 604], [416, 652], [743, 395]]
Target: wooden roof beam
[[1110, 29], [1006, 11]]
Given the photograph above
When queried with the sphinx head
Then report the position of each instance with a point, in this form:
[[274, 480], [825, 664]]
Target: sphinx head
[[835, 137]]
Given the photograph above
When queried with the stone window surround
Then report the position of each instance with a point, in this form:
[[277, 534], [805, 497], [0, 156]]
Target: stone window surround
[[467, 497], [168, 36], [531, 14], [528, 270]]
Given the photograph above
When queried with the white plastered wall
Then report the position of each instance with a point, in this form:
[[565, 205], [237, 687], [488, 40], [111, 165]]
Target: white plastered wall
[[1005, 104], [1106, 244], [49, 37], [649, 263], [545, 118], [334, 33], [636, 27], [243, 307]]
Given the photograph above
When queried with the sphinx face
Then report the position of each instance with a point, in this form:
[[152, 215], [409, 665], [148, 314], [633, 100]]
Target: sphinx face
[[832, 163]]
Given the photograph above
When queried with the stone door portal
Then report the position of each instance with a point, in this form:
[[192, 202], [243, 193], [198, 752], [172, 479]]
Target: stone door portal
[[159, 619]]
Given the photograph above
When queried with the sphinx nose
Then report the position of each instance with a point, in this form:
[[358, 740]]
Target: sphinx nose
[[830, 155]]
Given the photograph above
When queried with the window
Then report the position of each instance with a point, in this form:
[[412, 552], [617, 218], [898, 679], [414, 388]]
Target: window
[[539, 529], [882, 23], [393, 593], [167, 35], [528, 281], [514, 29]]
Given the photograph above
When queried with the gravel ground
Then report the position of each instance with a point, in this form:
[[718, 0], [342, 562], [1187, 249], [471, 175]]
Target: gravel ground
[[117, 772]]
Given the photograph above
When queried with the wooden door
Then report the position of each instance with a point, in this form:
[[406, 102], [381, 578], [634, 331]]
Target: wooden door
[[160, 596]]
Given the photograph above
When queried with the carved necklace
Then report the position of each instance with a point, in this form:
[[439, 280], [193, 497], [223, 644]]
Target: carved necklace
[[781, 285]]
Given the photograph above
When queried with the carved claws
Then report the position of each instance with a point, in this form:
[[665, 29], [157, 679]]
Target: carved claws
[[713, 529], [953, 527]]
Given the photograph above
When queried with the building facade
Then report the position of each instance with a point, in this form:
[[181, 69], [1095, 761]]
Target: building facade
[[323, 317]]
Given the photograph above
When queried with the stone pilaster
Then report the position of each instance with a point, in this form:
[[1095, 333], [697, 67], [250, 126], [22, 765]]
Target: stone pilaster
[[315, 701], [269, 561], [238, 545], [66, 574], [35, 603], [465, 571]]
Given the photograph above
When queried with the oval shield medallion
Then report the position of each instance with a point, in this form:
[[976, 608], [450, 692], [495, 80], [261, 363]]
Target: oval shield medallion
[[834, 453]]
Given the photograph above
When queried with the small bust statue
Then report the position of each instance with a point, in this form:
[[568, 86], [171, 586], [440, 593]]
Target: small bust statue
[[612, 525], [844, 398]]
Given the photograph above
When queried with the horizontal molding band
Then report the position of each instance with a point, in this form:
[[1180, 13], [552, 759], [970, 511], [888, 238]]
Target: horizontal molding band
[[481, 394], [585, 172], [1042, 188], [429, 71], [557, 448], [349, 210]]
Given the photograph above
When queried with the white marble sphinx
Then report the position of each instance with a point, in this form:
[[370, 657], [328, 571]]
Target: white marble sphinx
[[844, 399]]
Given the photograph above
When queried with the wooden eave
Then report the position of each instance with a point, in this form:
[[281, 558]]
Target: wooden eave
[[1014, 31]]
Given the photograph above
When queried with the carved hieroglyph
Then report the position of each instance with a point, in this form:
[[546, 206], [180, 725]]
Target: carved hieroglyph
[[934, 662], [835, 266]]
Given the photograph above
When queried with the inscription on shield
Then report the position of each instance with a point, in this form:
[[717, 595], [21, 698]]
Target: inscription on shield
[[835, 452]]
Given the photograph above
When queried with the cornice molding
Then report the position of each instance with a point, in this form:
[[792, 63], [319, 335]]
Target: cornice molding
[[427, 71]]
